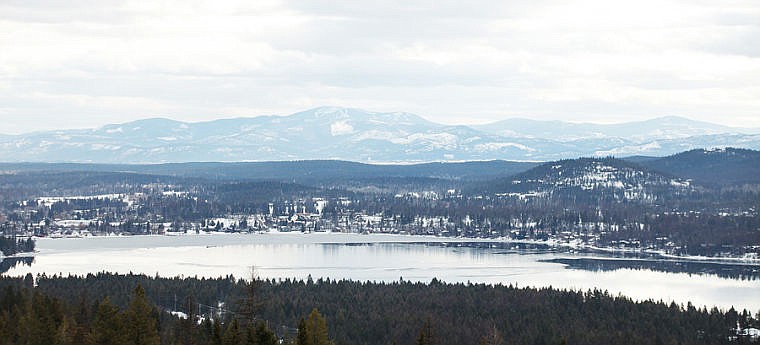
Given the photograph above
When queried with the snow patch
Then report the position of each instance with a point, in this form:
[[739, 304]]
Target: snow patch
[[630, 150], [50, 200], [499, 146], [179, 314], [434, 140], [98, 147], [74, 223], [377, 135], [341, 128]]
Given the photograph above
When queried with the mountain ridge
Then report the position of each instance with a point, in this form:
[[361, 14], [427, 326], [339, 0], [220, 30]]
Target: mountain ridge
[[722, 167], [357, 135], [726, 166], [659, 119]]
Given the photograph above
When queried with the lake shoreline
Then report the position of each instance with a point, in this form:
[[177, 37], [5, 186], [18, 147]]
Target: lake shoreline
[[388, 257], [407, 238]]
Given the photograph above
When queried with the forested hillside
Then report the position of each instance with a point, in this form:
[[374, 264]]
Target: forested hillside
[[717, 167], [307, 171], [69, 310]]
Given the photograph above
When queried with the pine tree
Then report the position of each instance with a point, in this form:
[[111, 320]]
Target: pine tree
[[107, 326], [232, 334], [303, 334], [426, 334], [141, 324], [250, 303], [42, 322], [187, 330], [80, 325], [65, 333], [316, 329], [216, 333], [260, 335], [493, 338]]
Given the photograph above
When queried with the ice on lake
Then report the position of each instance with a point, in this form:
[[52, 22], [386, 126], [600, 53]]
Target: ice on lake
[[374, 258]]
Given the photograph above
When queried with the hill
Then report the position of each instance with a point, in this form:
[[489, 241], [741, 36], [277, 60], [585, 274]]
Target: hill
[[603, 178], [301, 171], [728, 166]]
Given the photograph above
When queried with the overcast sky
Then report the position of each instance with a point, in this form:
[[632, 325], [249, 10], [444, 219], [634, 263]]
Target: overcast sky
[[89, 63]]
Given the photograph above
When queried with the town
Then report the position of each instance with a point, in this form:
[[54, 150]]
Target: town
[[165, 209]]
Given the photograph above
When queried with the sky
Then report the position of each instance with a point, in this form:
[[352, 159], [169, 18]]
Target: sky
[[84, 64]]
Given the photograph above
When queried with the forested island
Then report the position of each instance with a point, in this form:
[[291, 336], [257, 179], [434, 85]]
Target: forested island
[[110, 308]]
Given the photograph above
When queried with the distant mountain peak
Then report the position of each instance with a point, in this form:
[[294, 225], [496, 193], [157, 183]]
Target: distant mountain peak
[[153, 121], [359, 135], [334, 113]]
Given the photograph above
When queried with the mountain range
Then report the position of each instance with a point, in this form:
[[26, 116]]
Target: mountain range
[[362, 136]]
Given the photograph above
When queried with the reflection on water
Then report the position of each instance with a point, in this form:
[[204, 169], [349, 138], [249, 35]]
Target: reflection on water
[[6, 264], [506, 247], [606, 260], [723, 270], [388, 258]]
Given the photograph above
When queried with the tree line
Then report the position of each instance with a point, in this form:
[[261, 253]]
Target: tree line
[[227, 310], [10, 245]]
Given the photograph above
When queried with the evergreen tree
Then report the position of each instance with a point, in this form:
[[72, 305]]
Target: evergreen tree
[[80, 325], [38, 324], [493, 338], [141, 324], [426, 334], [107, 326], [303, 337], [216, 333], [260, 335], [250, 304], [66, 333], [232, 334], [186, 332], [316, 329]]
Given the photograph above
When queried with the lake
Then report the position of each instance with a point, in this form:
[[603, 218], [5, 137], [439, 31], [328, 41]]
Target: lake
[[392, 257]]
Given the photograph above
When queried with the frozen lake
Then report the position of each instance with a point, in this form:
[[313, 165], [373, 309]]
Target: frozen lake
[[389, 258]]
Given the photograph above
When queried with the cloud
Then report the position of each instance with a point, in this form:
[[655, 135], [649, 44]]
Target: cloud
[[450, 61]]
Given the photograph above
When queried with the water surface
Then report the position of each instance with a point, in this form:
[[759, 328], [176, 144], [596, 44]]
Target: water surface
[[390, 258]]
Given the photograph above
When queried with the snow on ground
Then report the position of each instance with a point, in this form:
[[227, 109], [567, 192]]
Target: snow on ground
[[50, 200], [341, 128], [179, 314], [487, 147], [75, 223]]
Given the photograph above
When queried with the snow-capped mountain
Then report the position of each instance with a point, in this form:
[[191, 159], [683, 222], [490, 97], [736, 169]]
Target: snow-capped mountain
[[358, 135]]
